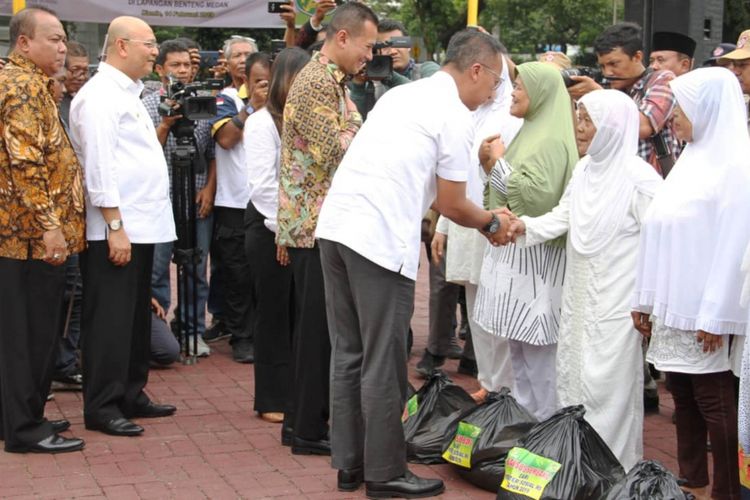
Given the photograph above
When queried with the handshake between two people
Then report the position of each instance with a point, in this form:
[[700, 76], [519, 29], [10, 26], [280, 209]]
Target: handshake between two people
[[510, 228]]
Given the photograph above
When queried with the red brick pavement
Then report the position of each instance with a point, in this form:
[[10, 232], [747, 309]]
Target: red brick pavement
[[215, 446]]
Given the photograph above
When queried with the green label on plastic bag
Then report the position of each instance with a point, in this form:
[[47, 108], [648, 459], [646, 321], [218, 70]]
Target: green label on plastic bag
[[527, 473], [410, 409], [459, 451]]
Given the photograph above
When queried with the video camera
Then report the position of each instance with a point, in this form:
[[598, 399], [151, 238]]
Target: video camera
[[381, 66], [593, 73], [185, 100]]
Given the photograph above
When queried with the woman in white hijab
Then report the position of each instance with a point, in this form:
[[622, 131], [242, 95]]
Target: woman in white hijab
[[688, 280], [599, 356]]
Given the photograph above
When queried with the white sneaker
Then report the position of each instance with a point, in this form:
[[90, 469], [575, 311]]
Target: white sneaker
[[203, 350]]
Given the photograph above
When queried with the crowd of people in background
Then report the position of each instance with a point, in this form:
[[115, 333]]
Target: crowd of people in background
[[593, 230]]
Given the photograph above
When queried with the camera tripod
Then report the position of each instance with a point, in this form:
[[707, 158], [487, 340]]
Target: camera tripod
[[186, 254]]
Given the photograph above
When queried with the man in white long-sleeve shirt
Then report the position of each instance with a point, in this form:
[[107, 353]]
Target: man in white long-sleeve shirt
[[128, 211]]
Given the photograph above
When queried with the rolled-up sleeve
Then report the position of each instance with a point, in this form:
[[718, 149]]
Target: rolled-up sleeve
[[95, 132]]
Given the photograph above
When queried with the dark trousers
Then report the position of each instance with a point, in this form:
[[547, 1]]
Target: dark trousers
[[272, 317], [31, 303], [369, 309], [67, 356], [116, 331], [443, 302], [311, 347], [705, 407], [229, 235]]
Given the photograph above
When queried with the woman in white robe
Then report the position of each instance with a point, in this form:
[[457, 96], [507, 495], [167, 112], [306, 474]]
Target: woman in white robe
[[599, 356], [688, 282]]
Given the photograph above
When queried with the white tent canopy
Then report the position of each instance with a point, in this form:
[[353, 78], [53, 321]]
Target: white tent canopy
[[197, 13]]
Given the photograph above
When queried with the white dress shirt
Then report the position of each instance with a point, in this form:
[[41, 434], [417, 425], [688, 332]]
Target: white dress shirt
[[232, 189], [122, 159], [388, 177], [263, 159]]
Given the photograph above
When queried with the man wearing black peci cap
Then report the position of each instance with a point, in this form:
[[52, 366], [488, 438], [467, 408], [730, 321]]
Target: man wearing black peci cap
[[672, 51]]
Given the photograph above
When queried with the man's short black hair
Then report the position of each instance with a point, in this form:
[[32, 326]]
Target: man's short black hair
[[626, 36], [189, 42], [23, 22], [169, 47], [351, 17], [471, 46], [261, 58], [388, 25]]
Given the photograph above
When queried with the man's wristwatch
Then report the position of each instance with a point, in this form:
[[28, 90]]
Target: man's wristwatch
[[492, 226], [115, 225]]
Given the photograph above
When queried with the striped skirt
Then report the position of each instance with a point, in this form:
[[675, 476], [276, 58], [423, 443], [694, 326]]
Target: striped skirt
[[520, 291]]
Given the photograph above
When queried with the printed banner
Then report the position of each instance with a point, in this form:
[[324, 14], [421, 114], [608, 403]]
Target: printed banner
[[528, 474], [459, 451], [197, 13]]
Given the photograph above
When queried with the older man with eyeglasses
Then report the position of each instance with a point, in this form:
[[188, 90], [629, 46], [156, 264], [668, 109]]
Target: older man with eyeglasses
[[128, 211]]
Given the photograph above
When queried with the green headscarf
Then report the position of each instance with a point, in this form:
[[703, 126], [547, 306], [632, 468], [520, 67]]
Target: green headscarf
[[544, 151]]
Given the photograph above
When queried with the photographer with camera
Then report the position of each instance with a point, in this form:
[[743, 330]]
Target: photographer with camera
[[619, 50], [173, 64], [393, 43]]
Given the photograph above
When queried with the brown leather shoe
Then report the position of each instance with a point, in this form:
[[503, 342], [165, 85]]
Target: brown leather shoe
[[273, 417]]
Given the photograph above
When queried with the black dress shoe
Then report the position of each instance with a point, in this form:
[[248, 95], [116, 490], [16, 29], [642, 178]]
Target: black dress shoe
[[306, 447], [429, 364], [243, 351], [153, 410], [287, 435], [59, 426], [406, 486], [350, 479], [118, 426], [52, 444]]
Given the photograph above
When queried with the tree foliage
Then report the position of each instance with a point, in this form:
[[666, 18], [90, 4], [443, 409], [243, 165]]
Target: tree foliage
[[523, 24], [736, 19]]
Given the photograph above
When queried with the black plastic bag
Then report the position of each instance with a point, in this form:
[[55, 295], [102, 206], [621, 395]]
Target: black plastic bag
[[562, 458], [428, 414], [478, 439], [647, 480]]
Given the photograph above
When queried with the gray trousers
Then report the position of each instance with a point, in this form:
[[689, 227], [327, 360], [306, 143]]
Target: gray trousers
[[369, 309]]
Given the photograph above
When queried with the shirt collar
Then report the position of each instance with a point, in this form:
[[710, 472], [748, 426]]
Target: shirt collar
[[27, 64], [121, 79], [242, 92], [332, 68]]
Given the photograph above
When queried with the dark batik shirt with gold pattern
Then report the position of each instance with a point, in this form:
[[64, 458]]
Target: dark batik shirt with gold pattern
[[318, 129], [41, 182]]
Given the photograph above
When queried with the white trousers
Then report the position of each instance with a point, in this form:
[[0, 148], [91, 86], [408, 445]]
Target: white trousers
[[492, 351], [535, 374]]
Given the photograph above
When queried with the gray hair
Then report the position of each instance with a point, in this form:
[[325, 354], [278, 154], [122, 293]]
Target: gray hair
[[235, 39]]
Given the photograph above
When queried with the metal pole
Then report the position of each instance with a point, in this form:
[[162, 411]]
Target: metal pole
[[473, 13]]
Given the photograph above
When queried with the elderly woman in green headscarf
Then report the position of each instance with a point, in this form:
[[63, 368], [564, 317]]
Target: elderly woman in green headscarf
[[520, 288]]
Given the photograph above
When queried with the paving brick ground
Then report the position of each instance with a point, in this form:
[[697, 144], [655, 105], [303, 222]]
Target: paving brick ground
[[215, 446]]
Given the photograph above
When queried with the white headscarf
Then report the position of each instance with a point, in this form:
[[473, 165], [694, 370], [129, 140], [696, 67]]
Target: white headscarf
[[698, 225], [606, 179]]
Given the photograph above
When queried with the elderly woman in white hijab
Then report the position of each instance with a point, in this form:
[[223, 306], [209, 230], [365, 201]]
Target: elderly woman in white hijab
[[463, 257], [599, 356], [688, 283]]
